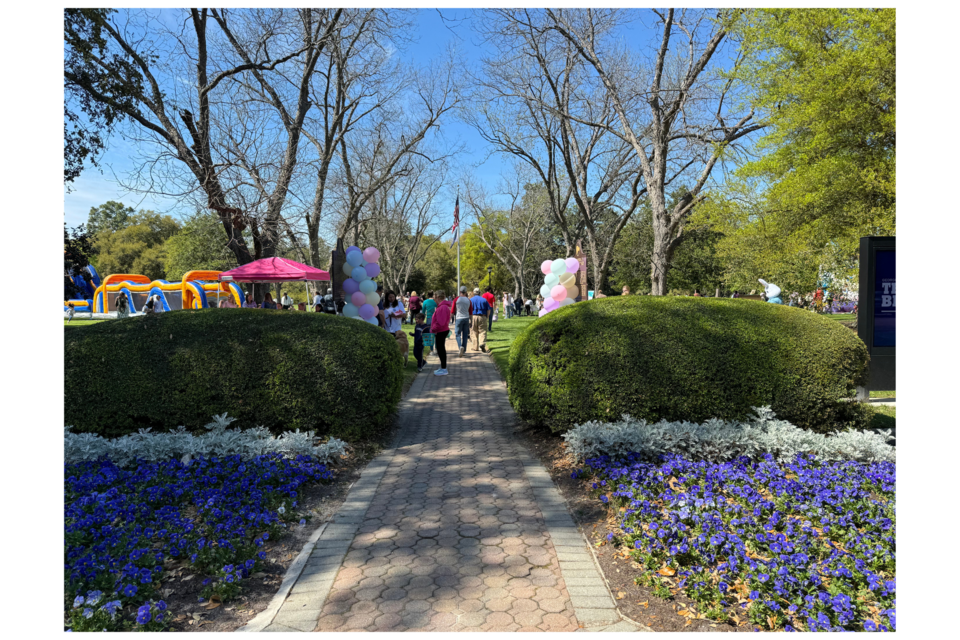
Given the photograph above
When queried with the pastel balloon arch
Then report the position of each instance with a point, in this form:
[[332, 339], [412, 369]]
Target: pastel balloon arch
[[559, 284], [359, 289]]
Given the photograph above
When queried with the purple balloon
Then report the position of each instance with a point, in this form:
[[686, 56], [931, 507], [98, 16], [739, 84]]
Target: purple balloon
[[367, 311], [350, 286], [352, 247], [371, 254], [572, 265], [358, 298], [550, 304], [373, 269]]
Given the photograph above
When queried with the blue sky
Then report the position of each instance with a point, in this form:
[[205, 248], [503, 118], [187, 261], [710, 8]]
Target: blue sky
[[94, 187], [434, 35]]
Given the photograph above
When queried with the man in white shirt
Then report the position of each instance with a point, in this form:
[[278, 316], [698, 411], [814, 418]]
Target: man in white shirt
[[286, 301], [317, 301]]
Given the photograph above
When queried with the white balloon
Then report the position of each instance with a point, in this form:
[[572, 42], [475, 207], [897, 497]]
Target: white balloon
[[545, 290], [558, 266], [347, 269], [351, 310], [567, 301], [372, 321], [552, 280], [373, 298]]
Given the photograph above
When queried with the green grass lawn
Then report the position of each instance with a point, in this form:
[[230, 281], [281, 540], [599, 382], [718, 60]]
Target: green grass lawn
[[840, 317], [883, 417], [499, 341], [79, 322]]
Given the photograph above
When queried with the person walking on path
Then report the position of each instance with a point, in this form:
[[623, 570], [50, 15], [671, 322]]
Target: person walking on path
[[414, 305], [480, 311], [463, 309], [428, 307], [508, 308], [492, 302], [440, 327], [418, 329]]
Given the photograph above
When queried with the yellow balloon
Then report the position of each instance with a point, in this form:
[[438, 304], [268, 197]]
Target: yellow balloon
[[566, 278], [373, 299], [572, 292]]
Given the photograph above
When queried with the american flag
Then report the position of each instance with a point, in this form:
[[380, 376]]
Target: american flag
[[456, 222]]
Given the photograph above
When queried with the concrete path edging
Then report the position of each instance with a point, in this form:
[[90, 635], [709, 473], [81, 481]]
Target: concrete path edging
[[266, 616]]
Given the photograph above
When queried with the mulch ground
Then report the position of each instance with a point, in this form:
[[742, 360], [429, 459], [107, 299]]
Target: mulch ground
[[635, 602]]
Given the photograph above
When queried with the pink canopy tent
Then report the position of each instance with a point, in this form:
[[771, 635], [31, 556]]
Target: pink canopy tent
[[271, 270]]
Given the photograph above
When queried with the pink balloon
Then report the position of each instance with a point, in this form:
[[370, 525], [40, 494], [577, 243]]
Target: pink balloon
[[350, 286], [371, 254], [358, 298], [572, 265], [545, 267], [373, 269], [550, 304], [367, 311], [558, 293]]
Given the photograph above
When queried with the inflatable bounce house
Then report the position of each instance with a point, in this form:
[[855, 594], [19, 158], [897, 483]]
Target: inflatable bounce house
[[197, 290], [87, 281]]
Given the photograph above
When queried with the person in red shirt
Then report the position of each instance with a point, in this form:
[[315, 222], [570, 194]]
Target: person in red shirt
[[492, 301]]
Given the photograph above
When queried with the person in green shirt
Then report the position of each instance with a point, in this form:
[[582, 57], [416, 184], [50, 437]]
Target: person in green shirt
[[429, 306]]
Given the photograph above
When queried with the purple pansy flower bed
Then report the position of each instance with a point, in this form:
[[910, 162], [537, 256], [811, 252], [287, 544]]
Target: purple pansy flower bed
[[804, 546], [125, 526]]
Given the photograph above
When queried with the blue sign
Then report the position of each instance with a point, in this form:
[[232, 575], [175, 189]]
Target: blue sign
[[885, 300]]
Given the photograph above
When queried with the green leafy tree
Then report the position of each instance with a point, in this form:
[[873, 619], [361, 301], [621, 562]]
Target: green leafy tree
[[437, 269], [138, 248], [825, 81], [475, 257], [199, 244], [110, 216], [90, 59]]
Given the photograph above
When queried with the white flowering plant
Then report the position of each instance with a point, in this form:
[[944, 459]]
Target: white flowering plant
[[719, 440], [179, 443]]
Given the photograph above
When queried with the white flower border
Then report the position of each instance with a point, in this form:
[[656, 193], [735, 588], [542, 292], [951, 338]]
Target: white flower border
[[719, 440], [178, 443]]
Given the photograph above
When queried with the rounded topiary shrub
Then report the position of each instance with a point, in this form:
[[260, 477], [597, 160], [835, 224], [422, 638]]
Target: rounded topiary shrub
[[686, 359], [282, 370]]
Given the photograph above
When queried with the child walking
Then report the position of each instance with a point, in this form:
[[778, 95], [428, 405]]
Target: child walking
[[70, 311], [418, 340]]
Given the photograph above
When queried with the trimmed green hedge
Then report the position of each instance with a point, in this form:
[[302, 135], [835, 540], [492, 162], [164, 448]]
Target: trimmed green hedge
[[686, 359], [282, 370]]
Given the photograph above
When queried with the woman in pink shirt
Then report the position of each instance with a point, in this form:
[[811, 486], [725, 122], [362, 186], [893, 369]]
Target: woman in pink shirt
[[440, 327]]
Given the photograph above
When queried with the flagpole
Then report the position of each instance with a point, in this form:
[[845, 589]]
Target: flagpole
[[459, 233]]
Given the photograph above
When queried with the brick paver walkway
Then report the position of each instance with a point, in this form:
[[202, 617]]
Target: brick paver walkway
[[454, 538]]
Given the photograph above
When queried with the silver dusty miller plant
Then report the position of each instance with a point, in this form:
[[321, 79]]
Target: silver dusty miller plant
[[719, 440], [179, 443]]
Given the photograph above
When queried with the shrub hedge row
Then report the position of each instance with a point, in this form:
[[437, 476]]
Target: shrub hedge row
[[284, 371], [664, 358]]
